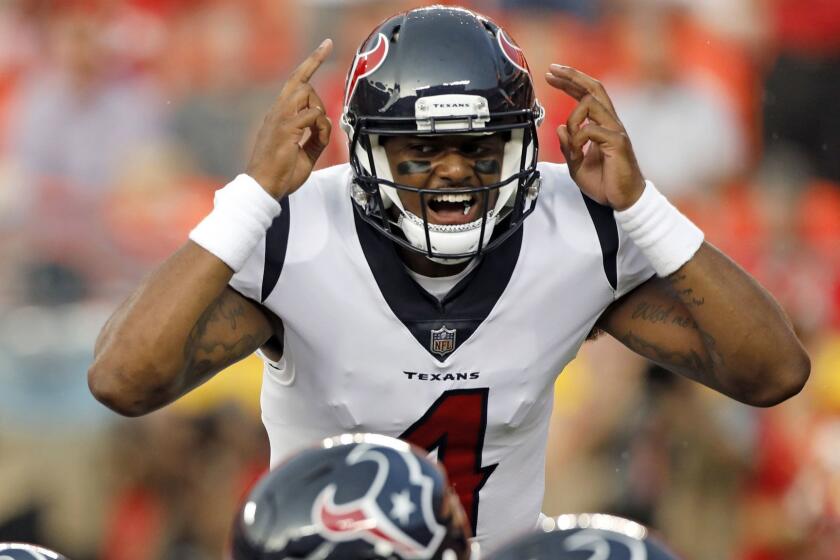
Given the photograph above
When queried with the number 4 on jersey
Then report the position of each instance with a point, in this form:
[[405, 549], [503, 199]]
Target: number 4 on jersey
[[455, 426]]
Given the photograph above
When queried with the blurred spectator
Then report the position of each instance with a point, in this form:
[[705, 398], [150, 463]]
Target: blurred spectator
[[685, 454], [686, 135], [18, 51], [154, 203], [73, 120], [791, 508], [75, 123], [586, 10], [215, 118], [800, 108], [659, 449], [179, 480]]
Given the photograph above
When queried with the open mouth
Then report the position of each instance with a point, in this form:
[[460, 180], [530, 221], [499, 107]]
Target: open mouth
[[453, 209]]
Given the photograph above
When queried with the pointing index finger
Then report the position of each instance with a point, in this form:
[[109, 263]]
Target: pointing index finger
[[307, 68]]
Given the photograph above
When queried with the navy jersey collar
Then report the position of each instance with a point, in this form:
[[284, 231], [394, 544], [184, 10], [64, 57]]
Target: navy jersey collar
[[429, 320]]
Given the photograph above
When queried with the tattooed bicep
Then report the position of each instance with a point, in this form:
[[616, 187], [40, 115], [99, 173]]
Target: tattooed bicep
[[230, 329]]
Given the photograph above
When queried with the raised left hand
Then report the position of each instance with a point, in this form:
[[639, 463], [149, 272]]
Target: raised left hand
[[607, 170]]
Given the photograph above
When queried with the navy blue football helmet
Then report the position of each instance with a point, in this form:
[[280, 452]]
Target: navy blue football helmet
[[22, 551], [588, 536], [356, 496], [441, 71]]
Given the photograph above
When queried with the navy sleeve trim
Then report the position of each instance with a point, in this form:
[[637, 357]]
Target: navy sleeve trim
[[276, 242], [604, 220]]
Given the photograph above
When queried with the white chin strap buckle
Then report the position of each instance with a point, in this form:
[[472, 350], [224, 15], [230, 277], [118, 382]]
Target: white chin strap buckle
[[534, 189], [359, 195]]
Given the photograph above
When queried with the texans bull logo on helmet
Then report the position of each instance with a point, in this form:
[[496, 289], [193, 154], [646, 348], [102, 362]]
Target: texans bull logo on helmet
[[392, 512], [512, 52], [365, 64]]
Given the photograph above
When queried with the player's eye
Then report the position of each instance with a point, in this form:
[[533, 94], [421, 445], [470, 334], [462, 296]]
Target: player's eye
[[423, 149], [474, 150], [480, 149]]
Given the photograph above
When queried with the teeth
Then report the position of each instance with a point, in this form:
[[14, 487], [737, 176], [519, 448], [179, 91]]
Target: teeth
[[467, 209], [452, 197]]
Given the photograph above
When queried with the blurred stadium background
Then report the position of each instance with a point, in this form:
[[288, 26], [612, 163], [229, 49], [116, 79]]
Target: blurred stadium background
[[118, 118]]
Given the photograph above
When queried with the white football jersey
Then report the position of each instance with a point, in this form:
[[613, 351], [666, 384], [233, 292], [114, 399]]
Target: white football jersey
[[470, 377]]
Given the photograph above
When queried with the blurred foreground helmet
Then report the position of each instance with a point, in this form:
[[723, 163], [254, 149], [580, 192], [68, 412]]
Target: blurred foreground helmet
[[357, 496], [21, 551], [439, 71], [594, 536]]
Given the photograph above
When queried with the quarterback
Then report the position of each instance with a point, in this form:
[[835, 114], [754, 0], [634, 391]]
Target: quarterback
[[433, 287]]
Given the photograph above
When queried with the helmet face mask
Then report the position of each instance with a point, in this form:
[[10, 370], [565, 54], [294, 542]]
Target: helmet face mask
[[405, 81]]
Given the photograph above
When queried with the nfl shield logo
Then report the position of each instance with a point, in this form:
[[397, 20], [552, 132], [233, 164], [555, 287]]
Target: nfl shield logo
[[443, 341]]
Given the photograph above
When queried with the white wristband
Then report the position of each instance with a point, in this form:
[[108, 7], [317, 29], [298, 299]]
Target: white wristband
[[242, 212], [666, 237]]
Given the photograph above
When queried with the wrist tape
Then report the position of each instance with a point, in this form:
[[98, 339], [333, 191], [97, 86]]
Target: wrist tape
[[665, 236], [242, 212]]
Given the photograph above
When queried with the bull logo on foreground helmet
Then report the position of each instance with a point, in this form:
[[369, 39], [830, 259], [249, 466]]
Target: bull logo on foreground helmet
[[595, 536], [403, 519], [356, 496]]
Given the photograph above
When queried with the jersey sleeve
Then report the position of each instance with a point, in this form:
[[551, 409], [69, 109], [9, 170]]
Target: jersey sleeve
[[296, 235], [632, 266], [262, 270], [624, 265]]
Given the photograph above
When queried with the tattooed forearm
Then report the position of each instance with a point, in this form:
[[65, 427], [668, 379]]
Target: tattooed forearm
[[689, 363], [658, 313], [652, 312], [686, 295]]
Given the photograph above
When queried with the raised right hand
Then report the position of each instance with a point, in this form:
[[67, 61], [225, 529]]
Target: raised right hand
[[294, 133]]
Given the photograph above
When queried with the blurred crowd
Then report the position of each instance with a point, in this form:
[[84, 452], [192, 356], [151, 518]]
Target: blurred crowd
[[118, 119]]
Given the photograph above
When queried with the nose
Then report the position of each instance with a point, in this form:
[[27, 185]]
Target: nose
[[453, 167]]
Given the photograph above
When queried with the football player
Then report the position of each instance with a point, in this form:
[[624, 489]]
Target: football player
[[587, 536], [22, 551], [355, 496], [433, 287]]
